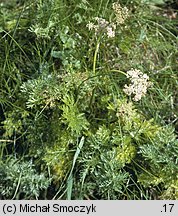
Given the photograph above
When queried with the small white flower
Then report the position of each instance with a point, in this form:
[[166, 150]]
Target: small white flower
[[110, 32], [90, 26]]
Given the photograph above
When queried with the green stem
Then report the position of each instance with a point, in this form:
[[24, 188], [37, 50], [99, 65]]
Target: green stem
[[18, 185], [95, 57], [118, 71]]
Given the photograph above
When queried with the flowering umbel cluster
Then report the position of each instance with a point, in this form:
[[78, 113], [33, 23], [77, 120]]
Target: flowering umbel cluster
[[108, 28], [121, 13], [139, 84], [104, 26]]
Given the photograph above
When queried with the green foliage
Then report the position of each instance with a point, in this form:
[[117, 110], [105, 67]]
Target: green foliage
[[75, 120], [59, 161], [20, 180], [14, 123], [119, 144], [63, 70], [41, 92], [162, 155], [67, 54], [111, 180]]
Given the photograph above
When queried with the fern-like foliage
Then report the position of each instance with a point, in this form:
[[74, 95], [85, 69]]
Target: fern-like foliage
[[42, 91], [19, 179], [162, 155], [75, 120]]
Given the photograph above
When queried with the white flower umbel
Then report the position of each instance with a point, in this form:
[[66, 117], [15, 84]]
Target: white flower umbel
[[121, 13], [103, 26], [139, 84]]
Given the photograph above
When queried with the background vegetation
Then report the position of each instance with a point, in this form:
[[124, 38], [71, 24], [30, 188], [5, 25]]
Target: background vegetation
[[69, 128]]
